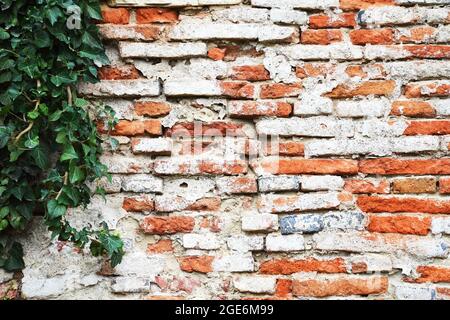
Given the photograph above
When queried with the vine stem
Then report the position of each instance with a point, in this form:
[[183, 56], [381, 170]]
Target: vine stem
[[31, 124], [66, 178]]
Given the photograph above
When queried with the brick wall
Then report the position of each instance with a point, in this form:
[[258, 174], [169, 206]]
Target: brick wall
[[277, 149]]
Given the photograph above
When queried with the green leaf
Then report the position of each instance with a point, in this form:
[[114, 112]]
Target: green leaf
[[41, 156], [55, 210], [42, 39], [3, 224], [4, 212], [4, 136], [53, 14], [69, 153], [76, 175], [14, 261], [32, 143], [33, 114], [55, 116], [4, 34], [94, 12]]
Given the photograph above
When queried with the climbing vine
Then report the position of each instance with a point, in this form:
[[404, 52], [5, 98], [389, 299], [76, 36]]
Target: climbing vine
[[49, 143]]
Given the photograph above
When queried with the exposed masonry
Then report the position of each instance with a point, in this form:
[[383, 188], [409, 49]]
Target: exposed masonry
[[356, 206]]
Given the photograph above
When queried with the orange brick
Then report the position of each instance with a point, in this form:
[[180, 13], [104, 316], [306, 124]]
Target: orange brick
[[118, 73], [198, 129], [372, 36], [432, 274], [151, 108], [378, 204], [205, 204], [217, 54], [399, 224], [342, 286], [379, 88], [201, 264], [437, 127], [167, 225], [286, 149], [356, 71], [399, 166], [418, 34], [285, 266], [429, 51], [237, 89], [283, 288], [419, 109], [417, 90], [280, 90], [315, 69], [257, 109], [366, 186], [359, 267], [134, 128], [250, 73], [344, 20], [310, 166], [414, 185], [160, 247], [156, 15], [364, 4], [444, 185], [321, 36], [138, 204], [115, 15]]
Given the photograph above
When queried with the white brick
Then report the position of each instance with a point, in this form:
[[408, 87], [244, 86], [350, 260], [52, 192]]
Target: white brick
[[245, 243], [363, 108], [201, 241], [316, 183], [277, 243], [130, 285], [121, 88], [255, 284], [313, 104], [392, 15], [162, 50], [344, 220], [442, 106], [174, 3], [241, 14], [374, 262], [200, 30], [302, 4], [192, 87], [123, 32], [288, 16], [158, 146], [338, 51], [417, 70], [142, 183], [276, 33], [385, 52], [440, 225], [234, 263], [279, 183], [312, 127], [254, 222], [303, 202], [127, 164], [414, 292]]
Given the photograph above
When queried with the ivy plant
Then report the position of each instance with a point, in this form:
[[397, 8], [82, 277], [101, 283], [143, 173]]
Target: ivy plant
[[49, 143]]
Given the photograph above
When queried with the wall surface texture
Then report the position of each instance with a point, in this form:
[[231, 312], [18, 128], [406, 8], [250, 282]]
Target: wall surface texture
[[282, 149]]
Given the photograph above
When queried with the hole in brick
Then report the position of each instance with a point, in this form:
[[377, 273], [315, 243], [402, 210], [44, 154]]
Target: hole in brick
[[184, 185]]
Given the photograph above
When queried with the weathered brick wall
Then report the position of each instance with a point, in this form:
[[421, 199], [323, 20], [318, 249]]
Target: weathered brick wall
[[354, 97]]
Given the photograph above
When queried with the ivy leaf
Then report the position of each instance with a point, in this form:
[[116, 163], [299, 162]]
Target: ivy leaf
[[53, 14], [69, 153], [42, 39], [4, 34], [32, 143], [76, 175], [55, 210], [14, 261], [41, 156], [93, 12], [4, 136]]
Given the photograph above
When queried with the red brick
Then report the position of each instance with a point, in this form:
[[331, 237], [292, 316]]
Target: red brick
[[206, 204], [364, 4], [138, 204], [287, 149], [444, 185], [201, 264], [321, 36], [115, 15], [417, 90], [250, 73], [134, 128], [315, 69], [356, 71], [378, 204], [160, 247], [414, 185], [434, 274], [167, 225], [342, 286], [254, 109], [344, 20], [204, 167], [212, 129], [237, 89], [372, 36], [399, 224], [310, 166], [437, 127], [151, 108], [409, 108], [365, 186], [238, 185], [428, 51], [285, 266], [283, 288], [217, 54], [400, 166], [280, 90], [118, 73], [418, 34], [359, 267], [378, 88], [156, 15]]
